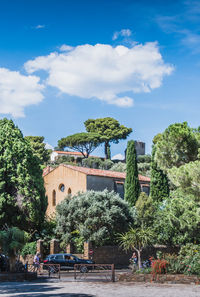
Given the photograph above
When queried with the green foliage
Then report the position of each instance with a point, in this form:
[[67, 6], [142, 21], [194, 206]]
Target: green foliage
[[92, 162], [85, 143], [121, 167], [136, 239], [132, 185], [189, 259], [38, 147], [29, 249], [178, 145], [106, 165], [159, 186], [186, 262], [22, 194], [144, 159], [12, 240], [187, 178], [145, 210], [77, 241], [98, 216], [178, 220], [109, 130]]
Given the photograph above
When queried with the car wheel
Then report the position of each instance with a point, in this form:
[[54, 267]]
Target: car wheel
[[83, 269]]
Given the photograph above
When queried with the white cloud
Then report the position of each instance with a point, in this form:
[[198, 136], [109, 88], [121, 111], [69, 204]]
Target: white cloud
[[18, 91], [65, 48], [39, 27], [123, 33], [104, 72], [48, 146]]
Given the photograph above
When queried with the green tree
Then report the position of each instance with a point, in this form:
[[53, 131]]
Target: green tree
[[187, 178], [97, 216], [159, 186], [132, 185], [178, 220], [109, 130], [12, 241], [137, 240], [85, 143], [178, 145], [145, 210], [38, 147], [22, 194]]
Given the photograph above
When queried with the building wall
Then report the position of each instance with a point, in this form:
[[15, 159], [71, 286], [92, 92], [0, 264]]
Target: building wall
[[99, 183], [71, 179]]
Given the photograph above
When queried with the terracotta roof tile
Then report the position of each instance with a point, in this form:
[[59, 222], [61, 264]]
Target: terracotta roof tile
[[69, 153], [105, 173]]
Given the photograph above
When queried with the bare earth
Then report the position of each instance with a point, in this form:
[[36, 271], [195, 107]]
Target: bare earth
[[64, 288]]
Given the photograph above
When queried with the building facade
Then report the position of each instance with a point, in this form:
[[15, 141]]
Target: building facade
[[67, 179]]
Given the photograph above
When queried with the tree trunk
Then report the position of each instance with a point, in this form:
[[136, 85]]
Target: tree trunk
[[107, 150], [12, 262], [139, 259]]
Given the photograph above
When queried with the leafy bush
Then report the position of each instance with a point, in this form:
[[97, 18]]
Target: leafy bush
[[92, 162], [106, 165], [121, 167], [98, 216], [189, 259], [144, 159], [29, 249]]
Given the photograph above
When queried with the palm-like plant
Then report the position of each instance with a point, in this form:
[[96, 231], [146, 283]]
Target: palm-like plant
[[137, 240], [11, 241]]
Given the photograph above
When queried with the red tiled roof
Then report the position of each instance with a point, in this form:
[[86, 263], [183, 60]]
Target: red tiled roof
[[69, 153], [105, 173], [75, 154]]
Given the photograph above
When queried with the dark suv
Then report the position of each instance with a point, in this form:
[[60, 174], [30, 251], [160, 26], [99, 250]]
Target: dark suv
[[67, 261]]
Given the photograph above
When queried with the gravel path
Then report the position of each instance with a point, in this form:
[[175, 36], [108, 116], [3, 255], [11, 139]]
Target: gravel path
[[65, 288]]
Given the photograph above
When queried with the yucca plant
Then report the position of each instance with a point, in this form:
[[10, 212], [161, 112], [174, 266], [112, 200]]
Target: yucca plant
[[137, 240]]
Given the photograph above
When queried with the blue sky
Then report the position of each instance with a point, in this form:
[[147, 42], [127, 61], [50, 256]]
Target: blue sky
[[62, 62]]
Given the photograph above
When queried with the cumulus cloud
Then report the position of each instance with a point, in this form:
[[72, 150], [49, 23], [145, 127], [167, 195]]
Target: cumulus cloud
[[107, 73], [18, 91], [123, 33]]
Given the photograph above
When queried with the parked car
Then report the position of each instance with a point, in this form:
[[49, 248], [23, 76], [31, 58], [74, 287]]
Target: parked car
[[4, 263], [67, 261]]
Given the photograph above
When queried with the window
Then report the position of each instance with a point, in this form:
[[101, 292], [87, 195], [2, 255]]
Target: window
[[62, 187], [54, 198], [69, 191], [59, 257]]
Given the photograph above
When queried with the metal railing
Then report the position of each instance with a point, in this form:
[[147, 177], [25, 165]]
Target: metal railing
[[44, 269], [83, 271]]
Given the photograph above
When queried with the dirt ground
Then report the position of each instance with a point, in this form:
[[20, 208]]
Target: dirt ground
[[65, 288]]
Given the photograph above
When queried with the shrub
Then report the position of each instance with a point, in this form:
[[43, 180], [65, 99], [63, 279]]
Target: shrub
[[121, 167], [92, 162], [29, 249], [106, 165]]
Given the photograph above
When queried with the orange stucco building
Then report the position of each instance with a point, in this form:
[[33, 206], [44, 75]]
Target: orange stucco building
[[67, 179]]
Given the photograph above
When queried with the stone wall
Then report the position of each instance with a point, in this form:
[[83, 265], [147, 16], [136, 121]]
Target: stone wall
[[111, 255], [161, 278]]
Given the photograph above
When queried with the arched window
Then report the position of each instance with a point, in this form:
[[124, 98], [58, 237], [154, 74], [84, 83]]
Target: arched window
[[54, 198], [69, 191], [62, 187]]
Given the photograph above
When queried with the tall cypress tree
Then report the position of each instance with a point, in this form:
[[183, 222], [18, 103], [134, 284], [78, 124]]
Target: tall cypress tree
[[159, 186], [132, 185], [22, 194]]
